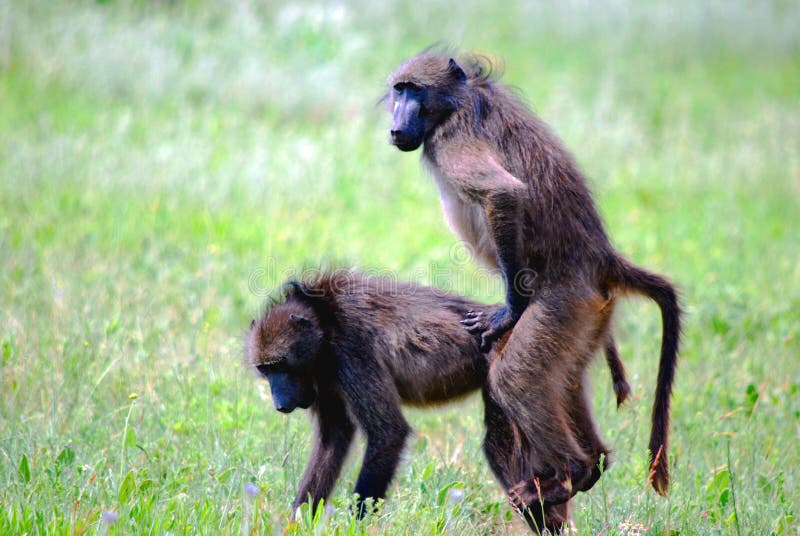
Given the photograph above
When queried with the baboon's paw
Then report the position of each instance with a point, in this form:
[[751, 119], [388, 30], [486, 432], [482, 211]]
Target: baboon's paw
[[549, 491], [525, 495], [622, 390]]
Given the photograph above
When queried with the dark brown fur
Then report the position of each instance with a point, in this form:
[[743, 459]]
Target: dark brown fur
[[513, 192], [367, 345]]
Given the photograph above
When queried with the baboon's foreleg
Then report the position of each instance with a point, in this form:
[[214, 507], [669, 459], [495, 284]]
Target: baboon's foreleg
[[475, 172], [375, 404], [333, 435]]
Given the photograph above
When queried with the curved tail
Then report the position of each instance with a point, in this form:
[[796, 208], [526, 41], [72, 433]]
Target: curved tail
[[629, 277]]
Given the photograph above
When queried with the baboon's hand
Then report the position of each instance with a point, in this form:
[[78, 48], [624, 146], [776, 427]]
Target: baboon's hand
[[490, 326]]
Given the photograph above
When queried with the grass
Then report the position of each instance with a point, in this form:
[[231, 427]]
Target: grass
[[164, 165]]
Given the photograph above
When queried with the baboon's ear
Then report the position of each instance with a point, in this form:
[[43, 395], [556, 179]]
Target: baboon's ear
[[252, 323], [456, 71], [299, 320]]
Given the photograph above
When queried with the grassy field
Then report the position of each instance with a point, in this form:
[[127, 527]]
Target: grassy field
[[163, 165]]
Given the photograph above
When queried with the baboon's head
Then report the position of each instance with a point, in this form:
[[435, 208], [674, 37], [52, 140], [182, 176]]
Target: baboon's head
[[283, 346], [423, 92]]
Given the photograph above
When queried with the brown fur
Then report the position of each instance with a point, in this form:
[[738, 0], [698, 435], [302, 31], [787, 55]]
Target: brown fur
[[368, 344], [514, 193]]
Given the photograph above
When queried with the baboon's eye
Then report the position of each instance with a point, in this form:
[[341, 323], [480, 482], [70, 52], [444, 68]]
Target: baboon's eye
[[272, 366], [410, 86]]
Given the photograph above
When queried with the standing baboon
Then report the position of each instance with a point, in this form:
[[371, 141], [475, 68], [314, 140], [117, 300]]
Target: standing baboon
[[511, 190], [351, 348]]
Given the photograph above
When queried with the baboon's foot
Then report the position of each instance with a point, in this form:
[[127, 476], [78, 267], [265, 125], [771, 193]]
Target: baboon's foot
[[622, 390], [546, 518], [490, 326], [593, 474], [535, 493], [556, 517], [551, 489]]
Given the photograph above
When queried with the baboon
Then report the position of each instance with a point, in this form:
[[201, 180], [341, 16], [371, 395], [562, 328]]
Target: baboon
[[351, 348], [513, 192]]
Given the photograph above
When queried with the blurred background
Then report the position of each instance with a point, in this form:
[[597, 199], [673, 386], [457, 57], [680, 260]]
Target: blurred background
[[164, 165]]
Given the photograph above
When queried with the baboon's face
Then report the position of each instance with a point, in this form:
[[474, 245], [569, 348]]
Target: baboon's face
[[283, 347], [290, 389], [409, 116], [424, 91]]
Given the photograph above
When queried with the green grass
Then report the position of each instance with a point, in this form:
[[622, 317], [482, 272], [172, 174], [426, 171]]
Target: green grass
[[164, 165]]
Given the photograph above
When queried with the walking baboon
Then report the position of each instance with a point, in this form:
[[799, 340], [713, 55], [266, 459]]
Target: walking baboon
[[513, 192], [351, 348]]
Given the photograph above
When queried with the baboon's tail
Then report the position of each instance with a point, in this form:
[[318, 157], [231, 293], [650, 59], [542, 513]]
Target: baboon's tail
[[628, 276]]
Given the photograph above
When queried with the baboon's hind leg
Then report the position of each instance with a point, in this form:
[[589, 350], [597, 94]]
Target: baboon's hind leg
[[505, 455], [532, 490], [532, 379], [537, 379]]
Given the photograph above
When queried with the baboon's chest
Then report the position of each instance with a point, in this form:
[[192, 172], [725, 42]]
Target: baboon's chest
[[467, 220]]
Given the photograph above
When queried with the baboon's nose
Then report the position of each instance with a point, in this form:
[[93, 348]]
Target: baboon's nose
[[400, 137]]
